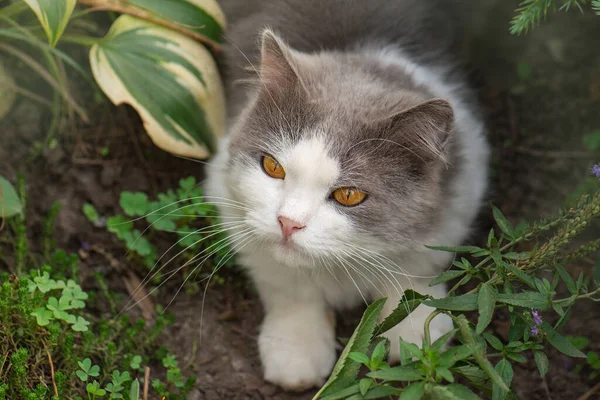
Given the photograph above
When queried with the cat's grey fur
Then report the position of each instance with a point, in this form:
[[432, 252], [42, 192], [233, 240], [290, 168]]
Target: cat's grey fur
[[363, 88]]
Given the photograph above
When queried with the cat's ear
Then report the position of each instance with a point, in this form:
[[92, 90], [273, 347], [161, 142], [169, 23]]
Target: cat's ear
[[277, 66], [425, 128]]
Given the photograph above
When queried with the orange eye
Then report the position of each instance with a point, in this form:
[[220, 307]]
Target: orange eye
[[273, 168], [348, 196]]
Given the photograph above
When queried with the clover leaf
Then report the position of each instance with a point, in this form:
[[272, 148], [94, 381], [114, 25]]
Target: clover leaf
[[42, 316], [134, 204], [80, 325]]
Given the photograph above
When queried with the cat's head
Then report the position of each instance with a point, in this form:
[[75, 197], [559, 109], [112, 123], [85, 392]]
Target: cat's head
[[337, 154]]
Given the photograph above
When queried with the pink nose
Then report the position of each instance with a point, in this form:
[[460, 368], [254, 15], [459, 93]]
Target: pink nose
[[289, 226]]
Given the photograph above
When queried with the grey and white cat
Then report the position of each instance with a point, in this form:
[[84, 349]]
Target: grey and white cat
[[354, 148]]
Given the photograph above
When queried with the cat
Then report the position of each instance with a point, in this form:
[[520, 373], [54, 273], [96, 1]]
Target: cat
[[352, 144]]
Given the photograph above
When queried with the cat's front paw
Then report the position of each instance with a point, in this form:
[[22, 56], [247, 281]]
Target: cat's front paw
[[412, 330], [297, 356]]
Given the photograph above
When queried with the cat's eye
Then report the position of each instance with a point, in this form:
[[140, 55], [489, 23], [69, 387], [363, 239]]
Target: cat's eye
[[348, 196], [272, 168]]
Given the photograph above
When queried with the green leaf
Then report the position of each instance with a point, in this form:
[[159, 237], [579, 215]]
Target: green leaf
[[478, 352], [134, 390], [135, 362], [408, 351], [503, 223], [414, 391], [80, 325], [134, 204], [523, 277], [450, 392], [567, 278], [561, 343], [171, 80], [409, 301], [504, 369], [119, 226], [94, 371], [465, 302], [457, 249], [592, 140], [525, 299], [486, 302], [397, 374], [10, 204], [364, 385], [442, 340], [524, 255], [471, 373], [53, 16], [85, 364], [91, 213], [580, 342], [445, 374], [202, 18], [42, 316], [493, 341], [81, 375], [455, 354], [378, 354], [359, 357], [379, 393], [446, 276], [343, 394], [346, 370]]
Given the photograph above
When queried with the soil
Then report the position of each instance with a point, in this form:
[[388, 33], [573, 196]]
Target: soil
[[536, 121]]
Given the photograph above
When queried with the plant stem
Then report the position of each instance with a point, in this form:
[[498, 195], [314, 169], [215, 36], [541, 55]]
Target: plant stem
[[80, 39], [428, 320]]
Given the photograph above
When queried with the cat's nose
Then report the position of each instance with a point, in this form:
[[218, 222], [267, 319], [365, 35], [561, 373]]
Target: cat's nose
[[289, 226]]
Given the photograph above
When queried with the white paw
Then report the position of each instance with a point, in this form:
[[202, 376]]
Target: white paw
[[412, 330], [297, 351]]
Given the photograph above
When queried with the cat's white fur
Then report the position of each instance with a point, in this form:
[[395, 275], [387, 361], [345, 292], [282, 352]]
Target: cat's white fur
[[298, 287]]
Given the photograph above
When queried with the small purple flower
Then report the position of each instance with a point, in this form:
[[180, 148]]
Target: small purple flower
[[534, 331], [596, 171], [536, 317], [85, 245]]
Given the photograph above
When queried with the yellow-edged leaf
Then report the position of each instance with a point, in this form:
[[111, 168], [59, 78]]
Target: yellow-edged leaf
[[53, 15], [171, 80], [195, 17], [7, 91]]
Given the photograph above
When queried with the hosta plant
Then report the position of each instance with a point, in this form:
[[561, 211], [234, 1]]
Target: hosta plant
[[156, 57]]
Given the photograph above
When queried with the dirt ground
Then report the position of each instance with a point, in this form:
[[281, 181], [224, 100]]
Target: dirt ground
[[536, 121]]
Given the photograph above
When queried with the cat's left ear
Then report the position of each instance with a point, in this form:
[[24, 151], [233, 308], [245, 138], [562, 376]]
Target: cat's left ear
[[278, 67], [425, 129]]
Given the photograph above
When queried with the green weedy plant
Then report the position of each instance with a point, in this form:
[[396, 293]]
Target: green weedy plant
[[52, 346], [503, 279], [176, 212]]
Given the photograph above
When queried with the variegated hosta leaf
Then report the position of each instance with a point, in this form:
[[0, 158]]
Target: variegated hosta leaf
[[53, 15], [203, 17], [7, 91], [170, 79], [199, 17]]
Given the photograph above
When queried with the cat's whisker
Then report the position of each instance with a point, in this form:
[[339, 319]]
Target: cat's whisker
[[233, 250], [204, 230], [341, 263], [200, 263], [366, 267], [170, 274]]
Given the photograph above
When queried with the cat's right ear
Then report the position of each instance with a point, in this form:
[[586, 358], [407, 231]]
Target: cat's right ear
[[278, 67]]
